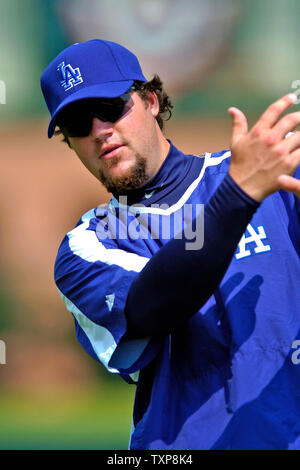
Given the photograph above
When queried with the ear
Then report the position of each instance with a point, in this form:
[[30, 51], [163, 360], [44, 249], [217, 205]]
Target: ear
[[153, 103]]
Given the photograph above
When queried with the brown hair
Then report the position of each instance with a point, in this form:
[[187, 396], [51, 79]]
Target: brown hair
[[143, 88], [165, 104]]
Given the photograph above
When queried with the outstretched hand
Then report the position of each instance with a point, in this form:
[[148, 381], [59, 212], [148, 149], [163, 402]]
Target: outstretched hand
[[262, 159]]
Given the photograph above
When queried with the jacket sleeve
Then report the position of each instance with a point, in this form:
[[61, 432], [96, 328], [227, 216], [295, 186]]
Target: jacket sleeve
[[93, 279]]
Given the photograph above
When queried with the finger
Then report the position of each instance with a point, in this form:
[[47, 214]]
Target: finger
[[289, 183], [239, 124], [290, 143], [288, 134], [274, 111], [293, 162], [295, 159], [286, 124]]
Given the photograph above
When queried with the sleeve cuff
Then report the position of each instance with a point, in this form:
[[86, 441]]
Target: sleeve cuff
[[232, 186]]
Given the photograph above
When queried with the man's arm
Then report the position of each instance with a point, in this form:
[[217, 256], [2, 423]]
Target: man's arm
[[175, 283]]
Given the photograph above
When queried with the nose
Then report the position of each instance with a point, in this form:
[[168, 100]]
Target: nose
[[101, 129]]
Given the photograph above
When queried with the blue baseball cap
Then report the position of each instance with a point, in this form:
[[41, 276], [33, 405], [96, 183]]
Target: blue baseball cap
[[91, 69]]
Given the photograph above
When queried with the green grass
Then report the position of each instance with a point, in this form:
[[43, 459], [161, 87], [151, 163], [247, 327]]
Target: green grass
[[98, 418]]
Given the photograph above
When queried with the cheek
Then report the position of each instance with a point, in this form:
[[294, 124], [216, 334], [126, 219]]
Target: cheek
[[79, 145], [85, 157], [139, 130]]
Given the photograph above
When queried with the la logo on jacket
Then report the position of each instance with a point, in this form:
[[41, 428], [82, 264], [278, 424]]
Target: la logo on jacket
[[253, 237]]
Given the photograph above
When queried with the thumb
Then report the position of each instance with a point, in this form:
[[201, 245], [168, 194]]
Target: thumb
[[239, 124]]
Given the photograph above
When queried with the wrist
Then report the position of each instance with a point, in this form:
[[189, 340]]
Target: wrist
[[247, 187]]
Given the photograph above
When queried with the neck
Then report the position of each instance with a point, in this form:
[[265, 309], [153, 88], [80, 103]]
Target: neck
[[162, 150]]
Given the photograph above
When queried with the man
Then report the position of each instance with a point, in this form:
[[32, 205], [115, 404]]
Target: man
[[151, 286]]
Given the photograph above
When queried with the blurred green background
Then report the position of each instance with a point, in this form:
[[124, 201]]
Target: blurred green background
[[211, 55]]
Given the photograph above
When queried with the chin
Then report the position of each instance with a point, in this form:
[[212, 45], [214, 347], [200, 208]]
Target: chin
[[121, 176], [120, 169]]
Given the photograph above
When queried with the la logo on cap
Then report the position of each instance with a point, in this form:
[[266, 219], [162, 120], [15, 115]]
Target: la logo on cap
[[69, 77]]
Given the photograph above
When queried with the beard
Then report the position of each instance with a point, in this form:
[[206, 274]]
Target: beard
[[135, 178]]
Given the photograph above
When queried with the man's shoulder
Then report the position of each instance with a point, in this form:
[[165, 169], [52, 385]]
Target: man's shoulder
[[87, 242], [218, 161], [82, 224], [207, 177], [84, 233], [75, 235], [211, 162]]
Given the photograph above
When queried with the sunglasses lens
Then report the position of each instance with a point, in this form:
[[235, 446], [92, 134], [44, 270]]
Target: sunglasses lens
[[76, 120], [78, 128], [108, 111]]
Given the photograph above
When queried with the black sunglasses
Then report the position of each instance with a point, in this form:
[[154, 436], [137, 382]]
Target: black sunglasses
[[77, 119]]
